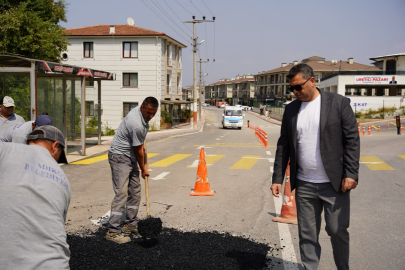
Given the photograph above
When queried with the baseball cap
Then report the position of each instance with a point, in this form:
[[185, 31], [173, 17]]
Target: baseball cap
[[49, 133], [43, 120], [7, 101]]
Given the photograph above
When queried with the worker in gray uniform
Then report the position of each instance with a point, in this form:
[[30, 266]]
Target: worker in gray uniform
[[19, 132], [34, 200], [126, 153], [8, 117]]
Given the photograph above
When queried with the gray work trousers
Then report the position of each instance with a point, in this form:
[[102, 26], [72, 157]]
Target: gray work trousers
[[127, 188], [311, 199]]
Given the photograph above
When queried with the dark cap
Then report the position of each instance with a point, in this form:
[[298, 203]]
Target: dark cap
[[43, 120], [50, 133]]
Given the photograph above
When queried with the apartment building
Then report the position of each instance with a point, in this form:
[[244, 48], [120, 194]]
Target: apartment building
[[272, 86], [382, 86], [238, 90], [145, 63]]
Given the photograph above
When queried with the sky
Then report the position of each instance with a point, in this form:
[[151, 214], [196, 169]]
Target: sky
[[252, 36]]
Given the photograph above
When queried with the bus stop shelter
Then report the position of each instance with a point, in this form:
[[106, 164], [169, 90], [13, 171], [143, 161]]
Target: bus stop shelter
[[39, 86]]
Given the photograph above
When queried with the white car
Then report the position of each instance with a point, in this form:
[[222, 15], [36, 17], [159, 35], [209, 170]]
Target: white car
[[223, 105]]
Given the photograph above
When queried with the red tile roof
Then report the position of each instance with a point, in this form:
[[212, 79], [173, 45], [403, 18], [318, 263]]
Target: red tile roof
[[120, 30]]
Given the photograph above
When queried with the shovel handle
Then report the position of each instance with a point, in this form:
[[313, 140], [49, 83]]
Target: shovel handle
[[146, 185]]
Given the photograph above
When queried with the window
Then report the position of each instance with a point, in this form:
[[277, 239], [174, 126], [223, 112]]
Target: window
[[89, 108], [348, 91], [89, 83], [88, 50], [127, 106], [316, 78], [130, 79], [130, 49]]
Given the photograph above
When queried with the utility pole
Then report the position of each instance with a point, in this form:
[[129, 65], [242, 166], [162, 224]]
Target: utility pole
[[194, 21], [200, 92]]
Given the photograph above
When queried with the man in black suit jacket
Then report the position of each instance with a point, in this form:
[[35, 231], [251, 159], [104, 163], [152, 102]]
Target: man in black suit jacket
[[393, 80], [319, 137]]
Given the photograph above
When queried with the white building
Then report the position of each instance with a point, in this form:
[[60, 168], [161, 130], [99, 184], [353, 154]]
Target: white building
[[145, 63], [372, 89]]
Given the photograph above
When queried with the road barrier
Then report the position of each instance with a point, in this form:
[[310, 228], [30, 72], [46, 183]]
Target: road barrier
[[364, 131], [359, 130], [388, 125], [379, 128], [202, 185], [369, 130], [288, 212], [262, 136]]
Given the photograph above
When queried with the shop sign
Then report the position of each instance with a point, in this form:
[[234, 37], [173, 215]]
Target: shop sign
[[373, 79]]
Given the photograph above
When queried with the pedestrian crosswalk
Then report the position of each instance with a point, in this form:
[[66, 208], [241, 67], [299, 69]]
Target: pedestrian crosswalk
[[244, 162]]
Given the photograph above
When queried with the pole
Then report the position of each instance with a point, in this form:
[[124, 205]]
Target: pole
[[194, 79], [200, 92], [194, 21]]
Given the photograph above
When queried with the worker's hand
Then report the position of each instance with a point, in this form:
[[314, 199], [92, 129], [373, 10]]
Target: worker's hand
[[275, 189], [348, 183], [145, 173]]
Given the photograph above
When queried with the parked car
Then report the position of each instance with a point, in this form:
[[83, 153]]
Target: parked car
[[223, 105]]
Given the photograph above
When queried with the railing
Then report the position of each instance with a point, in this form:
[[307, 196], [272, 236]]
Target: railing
[[365, 72]]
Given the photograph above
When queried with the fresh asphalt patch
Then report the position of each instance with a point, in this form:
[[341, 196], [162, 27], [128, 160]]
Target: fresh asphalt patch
[[173, 249]]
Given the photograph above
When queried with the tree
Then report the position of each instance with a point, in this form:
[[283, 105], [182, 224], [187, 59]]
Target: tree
[[30, 28]]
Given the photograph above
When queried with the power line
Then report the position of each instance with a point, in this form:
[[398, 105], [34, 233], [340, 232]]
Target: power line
[[176, 15], [196, 7], [184, 7], [167, 15], [163, 20], [207, 7]]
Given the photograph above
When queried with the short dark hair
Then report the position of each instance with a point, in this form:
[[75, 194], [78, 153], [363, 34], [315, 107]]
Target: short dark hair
[[153, 102], [305, 70]]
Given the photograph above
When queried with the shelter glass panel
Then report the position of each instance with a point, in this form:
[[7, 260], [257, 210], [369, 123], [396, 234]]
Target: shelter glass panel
[[50, 99], [18, 88]]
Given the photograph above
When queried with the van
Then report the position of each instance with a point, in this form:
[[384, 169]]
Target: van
[[232, 117]]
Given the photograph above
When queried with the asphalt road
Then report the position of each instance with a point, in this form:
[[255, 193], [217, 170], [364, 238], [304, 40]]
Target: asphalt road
[[239, 171]]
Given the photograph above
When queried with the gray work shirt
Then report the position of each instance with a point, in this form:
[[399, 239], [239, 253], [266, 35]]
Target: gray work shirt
[[17, 133], [131, 132], [10, 121], [34, 200]]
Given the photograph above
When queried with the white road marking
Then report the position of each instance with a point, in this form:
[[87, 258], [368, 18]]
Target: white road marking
[[160, 176], [288, 252], [268, 153], [269, 159], [194, 165], [102, 220], [218, 139], [202, 146]]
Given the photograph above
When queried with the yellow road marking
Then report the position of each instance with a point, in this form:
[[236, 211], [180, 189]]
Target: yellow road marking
[[375, 127], [402, 156], [393, 123], [212, 159], [375, 164], [246, 162], [152, 155], [236, 145], [90, 160], [169, 160]]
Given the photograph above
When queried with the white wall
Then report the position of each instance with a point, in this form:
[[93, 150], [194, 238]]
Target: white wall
[[150, 66]]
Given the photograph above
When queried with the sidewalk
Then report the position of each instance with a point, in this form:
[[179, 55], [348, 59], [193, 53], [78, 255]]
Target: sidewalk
[[92, 149]]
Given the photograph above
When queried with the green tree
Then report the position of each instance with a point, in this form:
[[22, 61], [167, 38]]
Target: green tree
[[30, 28]]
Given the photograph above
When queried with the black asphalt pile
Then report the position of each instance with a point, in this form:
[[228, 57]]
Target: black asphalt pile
[[150, 227], [171, 250]]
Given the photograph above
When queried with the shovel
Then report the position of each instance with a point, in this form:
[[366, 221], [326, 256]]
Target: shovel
[[149, 227]]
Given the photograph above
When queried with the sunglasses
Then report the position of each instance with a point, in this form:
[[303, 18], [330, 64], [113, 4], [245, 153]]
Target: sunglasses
[[297, 87]]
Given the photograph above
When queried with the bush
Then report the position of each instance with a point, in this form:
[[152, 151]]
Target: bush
[[165, 117]]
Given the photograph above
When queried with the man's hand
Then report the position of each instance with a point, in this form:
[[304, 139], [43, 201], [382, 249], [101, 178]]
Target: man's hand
[[145, 173], [348, 183], [275, 189]]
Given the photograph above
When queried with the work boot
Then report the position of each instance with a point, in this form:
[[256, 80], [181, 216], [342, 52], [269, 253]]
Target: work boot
[[118, 238], [130, 229]]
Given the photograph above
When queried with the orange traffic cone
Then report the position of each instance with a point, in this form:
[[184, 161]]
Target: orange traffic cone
[[202, 185], [289, 209]]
